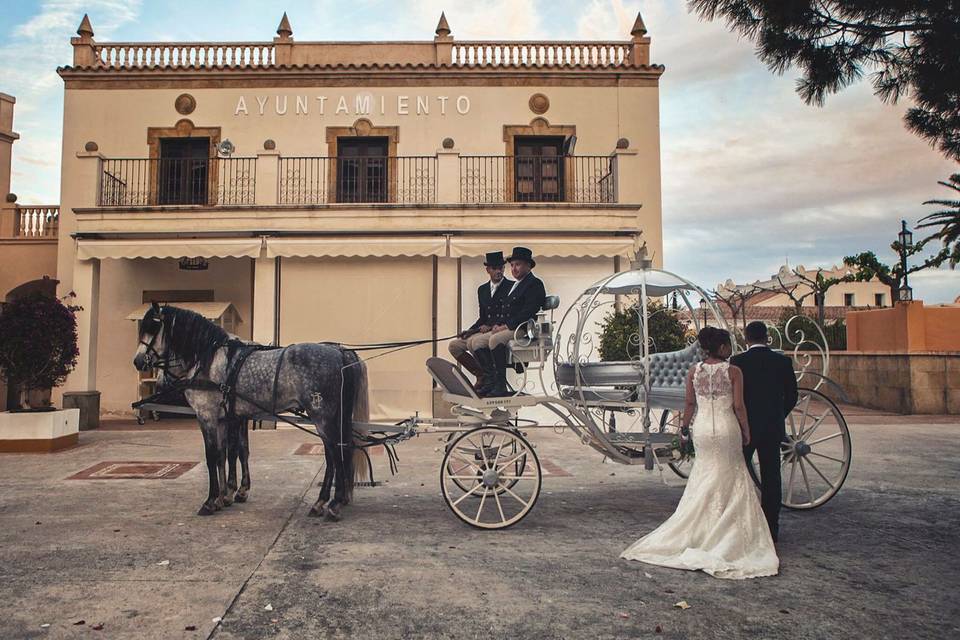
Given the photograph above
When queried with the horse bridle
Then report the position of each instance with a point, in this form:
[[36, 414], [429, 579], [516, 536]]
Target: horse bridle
[[153, 357]]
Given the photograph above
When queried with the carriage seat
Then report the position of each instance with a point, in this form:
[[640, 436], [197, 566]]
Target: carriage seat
[[600, 381], [533, 340]]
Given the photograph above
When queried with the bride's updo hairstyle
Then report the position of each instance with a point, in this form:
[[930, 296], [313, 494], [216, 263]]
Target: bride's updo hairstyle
[[711, 339]]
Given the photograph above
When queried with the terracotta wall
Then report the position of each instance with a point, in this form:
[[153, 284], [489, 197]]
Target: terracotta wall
[[907, 328]]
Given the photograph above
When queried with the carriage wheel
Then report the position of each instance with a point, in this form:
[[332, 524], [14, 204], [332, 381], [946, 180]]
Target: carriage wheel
[[816, 455], [670, 423], [458, 469], [505, 496]]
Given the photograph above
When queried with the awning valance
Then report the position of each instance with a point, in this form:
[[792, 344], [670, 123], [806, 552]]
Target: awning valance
[[210, 310], [558, 247], [170, 248], [356, 246]]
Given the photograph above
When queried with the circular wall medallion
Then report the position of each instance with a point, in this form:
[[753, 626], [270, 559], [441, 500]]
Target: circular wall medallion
[[185, 104], [269, 144], [91, 146], [539, 103], [448, 143]]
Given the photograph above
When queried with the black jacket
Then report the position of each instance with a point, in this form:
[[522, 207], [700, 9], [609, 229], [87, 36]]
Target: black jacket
[[525, 301], [491, 309], [769, 391]]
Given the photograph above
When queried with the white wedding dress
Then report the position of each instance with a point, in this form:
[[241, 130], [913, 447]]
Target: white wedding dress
[[718, 526]]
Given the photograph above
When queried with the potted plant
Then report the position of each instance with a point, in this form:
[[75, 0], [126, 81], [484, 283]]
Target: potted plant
[[38, 346]]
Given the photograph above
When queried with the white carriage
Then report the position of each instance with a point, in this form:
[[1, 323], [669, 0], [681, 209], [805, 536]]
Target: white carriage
[[627, 410]]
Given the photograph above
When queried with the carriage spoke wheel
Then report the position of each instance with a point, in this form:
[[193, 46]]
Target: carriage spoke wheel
[[490, 493], [467, 473], [815, 458], [670, 423]]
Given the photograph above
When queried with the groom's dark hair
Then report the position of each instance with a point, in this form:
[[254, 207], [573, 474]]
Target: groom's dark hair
[[756, 332]]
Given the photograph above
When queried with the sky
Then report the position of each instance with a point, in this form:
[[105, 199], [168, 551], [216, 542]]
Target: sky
[[752, 177]]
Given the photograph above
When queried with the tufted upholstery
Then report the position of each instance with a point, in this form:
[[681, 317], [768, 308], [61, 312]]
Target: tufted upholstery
[[668, 373]]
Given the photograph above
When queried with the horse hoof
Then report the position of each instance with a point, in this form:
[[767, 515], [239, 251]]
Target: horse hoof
[[333, 515], [206, 510], [317, 511], [226, 502], [240, 497]]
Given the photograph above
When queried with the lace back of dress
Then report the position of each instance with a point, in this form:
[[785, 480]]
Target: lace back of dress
[[712, 380]]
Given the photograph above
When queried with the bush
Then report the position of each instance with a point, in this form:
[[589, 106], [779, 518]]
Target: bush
[[620, 331], [38, 341]]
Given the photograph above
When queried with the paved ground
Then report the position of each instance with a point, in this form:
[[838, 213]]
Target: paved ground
[[881, 560]]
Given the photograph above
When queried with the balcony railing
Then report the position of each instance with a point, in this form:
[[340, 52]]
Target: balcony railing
[[362, 179], [396, 180], [37, 221], [576, 179], [131, 182]]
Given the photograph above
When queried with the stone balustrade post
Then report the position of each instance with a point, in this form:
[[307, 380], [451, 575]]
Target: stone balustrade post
[[9, 220], [448, 176], [268, 175]]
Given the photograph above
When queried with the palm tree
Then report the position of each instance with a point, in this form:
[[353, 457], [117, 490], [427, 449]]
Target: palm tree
[[948, 220]]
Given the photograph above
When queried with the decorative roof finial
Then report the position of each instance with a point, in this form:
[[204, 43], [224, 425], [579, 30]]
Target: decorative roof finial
[[284, 30], [639, 29], [85, 30], [443, 29]]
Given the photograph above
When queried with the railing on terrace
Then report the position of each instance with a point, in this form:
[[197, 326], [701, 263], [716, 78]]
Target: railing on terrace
[[554, 54], [177, 181], [575, 179], [139, 55], [325, 180], [37, 221]]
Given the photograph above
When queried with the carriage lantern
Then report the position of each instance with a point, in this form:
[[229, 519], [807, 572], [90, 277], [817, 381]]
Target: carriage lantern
[[905, 294]]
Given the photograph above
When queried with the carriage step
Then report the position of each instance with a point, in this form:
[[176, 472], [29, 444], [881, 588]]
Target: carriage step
[[618, 437]]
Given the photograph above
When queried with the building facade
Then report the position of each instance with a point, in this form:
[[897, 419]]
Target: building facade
[[345, 191], [28, 236]]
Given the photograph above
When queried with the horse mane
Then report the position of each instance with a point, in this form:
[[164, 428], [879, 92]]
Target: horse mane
[[192, 337]]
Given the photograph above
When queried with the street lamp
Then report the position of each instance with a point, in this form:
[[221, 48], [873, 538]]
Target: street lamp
[[905, 294], [703, 308]]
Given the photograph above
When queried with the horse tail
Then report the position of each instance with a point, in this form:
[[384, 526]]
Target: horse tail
[[361, 414]]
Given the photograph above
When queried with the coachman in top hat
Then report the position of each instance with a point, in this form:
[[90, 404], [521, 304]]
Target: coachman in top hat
[[523, 299], [490, 296]]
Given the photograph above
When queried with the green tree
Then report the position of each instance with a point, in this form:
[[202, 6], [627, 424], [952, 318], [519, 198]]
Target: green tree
[[869, 266], [620, 330], [948, 220], [909, 47]]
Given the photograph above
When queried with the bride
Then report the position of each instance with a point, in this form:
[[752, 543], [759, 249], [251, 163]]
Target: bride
[[718, 526]]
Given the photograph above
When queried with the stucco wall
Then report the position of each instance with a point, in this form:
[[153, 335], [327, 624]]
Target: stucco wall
[[24, 260], [905, 328]]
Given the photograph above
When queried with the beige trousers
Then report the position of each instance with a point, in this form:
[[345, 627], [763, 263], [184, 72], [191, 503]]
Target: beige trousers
[[490, 340]]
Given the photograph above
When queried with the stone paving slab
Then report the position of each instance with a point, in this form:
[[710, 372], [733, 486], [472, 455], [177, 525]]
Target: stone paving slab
[[879, 561]]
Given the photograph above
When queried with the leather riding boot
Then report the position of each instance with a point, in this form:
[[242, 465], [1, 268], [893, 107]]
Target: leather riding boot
[[500, 366], [485, 359], [468, 362]]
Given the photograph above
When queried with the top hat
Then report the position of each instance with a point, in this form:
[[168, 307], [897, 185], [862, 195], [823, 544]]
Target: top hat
[[494, 259], [522, 253]]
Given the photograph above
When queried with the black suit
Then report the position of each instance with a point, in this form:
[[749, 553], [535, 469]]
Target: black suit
[[525, 301], [769, 393], [491, 307]]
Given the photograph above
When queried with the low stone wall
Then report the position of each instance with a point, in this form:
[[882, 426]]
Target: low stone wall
[[905, 383]]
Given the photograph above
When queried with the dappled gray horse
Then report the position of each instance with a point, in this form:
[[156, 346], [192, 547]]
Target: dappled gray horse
[[225, 380]]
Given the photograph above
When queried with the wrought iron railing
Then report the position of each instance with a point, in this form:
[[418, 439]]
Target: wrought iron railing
[[575, 179], [362, 179], [130, 182], [37, 221]]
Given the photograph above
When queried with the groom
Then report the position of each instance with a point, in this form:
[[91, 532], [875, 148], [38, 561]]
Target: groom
[[770, 393]]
